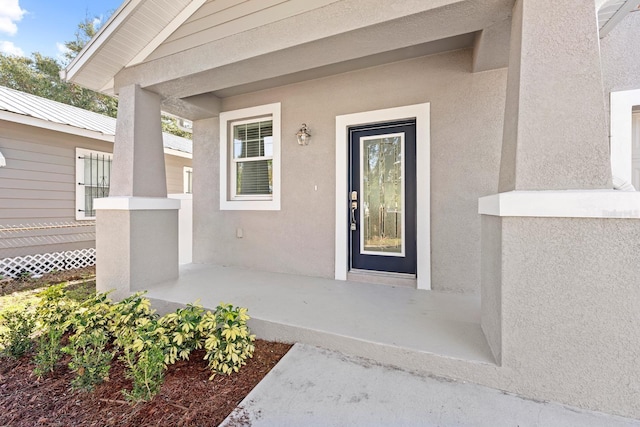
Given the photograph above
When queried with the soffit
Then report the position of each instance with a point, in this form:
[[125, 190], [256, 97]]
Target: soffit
[[134, 25], [224, 32], [612, 12], [292, 45]]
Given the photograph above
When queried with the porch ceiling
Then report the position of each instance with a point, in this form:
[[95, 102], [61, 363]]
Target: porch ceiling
[[228, 47]]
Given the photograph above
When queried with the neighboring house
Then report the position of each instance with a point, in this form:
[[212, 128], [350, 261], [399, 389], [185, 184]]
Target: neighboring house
[[453, 145], [57, 161]]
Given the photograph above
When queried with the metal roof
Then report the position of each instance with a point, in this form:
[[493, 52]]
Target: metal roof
[[25, 104]]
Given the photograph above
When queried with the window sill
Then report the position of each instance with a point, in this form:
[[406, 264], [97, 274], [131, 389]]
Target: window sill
[[249, 205]]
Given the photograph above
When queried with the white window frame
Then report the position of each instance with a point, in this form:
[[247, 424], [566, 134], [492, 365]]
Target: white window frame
[[258, 202], [80, 154], [187, 178]]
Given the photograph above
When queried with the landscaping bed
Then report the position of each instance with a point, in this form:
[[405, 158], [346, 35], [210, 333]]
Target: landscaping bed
[[187, 397], [189, 394]]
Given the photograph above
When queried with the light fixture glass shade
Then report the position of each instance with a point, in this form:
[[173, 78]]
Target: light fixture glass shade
[[303, 135], [3, 162]]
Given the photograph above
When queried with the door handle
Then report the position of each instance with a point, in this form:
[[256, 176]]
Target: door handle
[[354, 206]]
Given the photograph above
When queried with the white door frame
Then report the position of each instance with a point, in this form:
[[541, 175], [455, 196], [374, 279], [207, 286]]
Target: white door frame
[[419, 112]]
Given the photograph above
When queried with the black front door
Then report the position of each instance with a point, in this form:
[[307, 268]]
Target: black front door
[[383, 197]]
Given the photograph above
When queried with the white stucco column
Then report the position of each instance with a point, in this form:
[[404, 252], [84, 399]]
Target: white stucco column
[[206, 200], [555, 128], [555, 134], [560, 260], [137, 225], [138, 154]]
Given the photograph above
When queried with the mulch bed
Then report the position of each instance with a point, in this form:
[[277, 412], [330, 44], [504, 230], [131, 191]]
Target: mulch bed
[[13, 285], [187, 397]]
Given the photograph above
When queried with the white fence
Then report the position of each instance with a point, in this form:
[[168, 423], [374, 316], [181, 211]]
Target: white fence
[[36, 249], [28, 239], [36, 265]]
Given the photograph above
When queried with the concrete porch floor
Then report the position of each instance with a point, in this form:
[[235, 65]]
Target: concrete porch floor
[[394, 325]]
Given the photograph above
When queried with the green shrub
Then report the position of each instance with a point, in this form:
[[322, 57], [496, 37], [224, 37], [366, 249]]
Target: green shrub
[[54, 308], [146, 369], [15, 337], [90, 360], [143, 353], [183, 329], [48, 351], [98, 329], [228, 341], [52, 315], [127, 315]]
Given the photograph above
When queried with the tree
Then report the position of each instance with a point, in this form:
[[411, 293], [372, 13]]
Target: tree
[[85, 32], [40, 75], [170, 125]]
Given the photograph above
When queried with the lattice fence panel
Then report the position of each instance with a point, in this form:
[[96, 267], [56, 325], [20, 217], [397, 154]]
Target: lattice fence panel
[[45, 263]]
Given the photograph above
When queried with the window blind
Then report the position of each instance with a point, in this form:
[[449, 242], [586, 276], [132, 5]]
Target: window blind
[[253, 157]]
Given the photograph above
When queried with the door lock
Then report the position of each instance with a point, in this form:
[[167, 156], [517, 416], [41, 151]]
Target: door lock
[[354, 206]]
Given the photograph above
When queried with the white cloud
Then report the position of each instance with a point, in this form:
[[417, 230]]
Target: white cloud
[[62, 49], [10, 49], [96, 21], [10, 13]]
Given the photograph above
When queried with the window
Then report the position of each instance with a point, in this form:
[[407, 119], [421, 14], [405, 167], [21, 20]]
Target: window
[[250, 158], [188, 179], [93, 177]]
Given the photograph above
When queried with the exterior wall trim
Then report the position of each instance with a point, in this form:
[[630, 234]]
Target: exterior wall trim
[[421, 113], [58, 127], [79, 191], [136, 204], [621, 104], [562, 204], [177, 153], [273, 204]]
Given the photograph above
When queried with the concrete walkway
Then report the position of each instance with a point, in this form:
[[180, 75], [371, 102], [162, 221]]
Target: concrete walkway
[[316, 387]]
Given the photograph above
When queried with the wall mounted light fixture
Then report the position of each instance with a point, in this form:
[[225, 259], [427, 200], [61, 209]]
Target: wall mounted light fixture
[[303, 135], [3, 162]]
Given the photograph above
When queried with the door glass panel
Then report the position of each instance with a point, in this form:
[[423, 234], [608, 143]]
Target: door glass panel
[[382, 199]]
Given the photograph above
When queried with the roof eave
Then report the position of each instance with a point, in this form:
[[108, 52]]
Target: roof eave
[[121, 14]]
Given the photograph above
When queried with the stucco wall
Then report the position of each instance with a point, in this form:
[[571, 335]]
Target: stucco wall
[[131, 253], [619, 56], [571, 298], [466, 135]]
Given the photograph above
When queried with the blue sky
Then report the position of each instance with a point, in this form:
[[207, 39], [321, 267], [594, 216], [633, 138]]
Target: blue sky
[[43, 26]]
